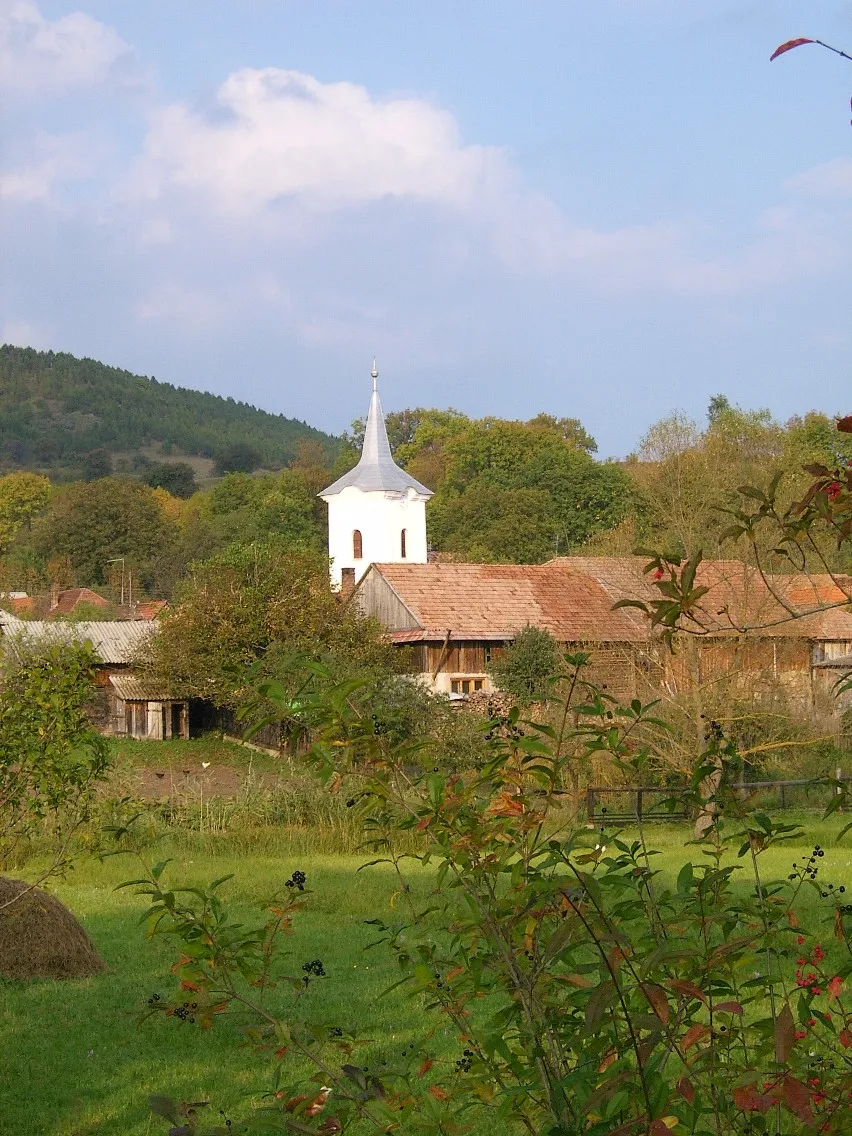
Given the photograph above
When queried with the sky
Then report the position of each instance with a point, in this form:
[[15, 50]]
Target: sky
[[606, 210]]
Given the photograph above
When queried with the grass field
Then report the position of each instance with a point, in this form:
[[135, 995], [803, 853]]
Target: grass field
[[76, 1061]]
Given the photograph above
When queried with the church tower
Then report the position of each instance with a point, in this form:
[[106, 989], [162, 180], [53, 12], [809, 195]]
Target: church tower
[[376, 511]]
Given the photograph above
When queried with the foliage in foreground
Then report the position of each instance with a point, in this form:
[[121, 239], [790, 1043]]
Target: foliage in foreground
[[51, 759], [588, 994]]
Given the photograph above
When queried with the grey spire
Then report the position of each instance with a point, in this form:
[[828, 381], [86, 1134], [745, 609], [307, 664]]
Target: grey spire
[[376, 471]]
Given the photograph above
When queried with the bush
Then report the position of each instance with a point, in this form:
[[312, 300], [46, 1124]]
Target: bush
[[527, 665]]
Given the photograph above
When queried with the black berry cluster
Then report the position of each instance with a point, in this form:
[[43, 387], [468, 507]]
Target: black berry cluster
[[465, 1062], [314, 967], [185, 1012], [154, 998], [297, 880], [379, 727], [810, 868], [335, 1031]]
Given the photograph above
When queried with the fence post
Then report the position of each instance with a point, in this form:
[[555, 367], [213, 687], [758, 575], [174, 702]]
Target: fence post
[[590, 803], [839, 791], [639, 804], [783, 795]]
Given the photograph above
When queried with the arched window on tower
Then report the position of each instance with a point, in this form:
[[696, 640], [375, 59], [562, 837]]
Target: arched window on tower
[[402, 544], [357, 545]]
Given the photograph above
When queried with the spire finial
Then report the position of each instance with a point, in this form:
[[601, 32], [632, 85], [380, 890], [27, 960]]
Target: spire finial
[[374, 374]]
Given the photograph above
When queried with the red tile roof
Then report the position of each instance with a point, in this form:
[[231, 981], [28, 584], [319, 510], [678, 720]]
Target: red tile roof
[[572, 597], [495, 601]]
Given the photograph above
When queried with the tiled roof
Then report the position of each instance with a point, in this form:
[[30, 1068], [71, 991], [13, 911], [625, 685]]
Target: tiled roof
[[572, 597], [116, 641], [149, 609], [495, 601], [70, 597], [739, 597]]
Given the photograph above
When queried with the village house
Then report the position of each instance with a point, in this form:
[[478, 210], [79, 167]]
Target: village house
[[124, 705], [755, 637], [454, 619], [70, 603]]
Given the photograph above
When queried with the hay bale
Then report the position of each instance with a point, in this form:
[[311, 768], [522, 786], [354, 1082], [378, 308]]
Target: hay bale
[[40, 938]]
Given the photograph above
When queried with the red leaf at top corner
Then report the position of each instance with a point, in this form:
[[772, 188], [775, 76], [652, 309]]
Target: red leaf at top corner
[[788, 46], [844, 425]]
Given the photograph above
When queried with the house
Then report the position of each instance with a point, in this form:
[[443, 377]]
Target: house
[[124, 705], [454, 619], [68, 603]]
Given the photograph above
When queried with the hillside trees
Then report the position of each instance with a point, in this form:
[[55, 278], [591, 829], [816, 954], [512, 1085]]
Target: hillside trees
[[177, 478], [55, 409]]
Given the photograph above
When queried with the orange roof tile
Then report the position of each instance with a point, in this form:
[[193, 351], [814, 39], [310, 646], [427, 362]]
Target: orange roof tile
[[572, 597], [495, 601]]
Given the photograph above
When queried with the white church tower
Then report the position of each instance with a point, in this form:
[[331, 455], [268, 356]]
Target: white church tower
[[376, 511]]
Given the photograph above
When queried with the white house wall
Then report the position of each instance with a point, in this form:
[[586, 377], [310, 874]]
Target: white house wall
[[380, 518]]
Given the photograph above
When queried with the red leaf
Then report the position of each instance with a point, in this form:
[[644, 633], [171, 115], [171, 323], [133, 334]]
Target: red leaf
[[438, 1093], [425, 1067], [656, 996], [694, 1034], [846, 1038], [845, 424], [797, 1097], [689, 988], [729, 1008], [785, 1033], [788, 46], [686, 1089], [749, 1099]]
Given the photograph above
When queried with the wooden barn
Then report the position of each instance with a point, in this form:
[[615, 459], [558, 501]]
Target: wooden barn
[[124, 705], [756, 639]]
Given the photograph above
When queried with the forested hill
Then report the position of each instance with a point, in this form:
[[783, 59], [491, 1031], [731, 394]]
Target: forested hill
[[55, 409]]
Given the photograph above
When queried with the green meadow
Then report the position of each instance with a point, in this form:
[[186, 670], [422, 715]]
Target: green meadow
[[78, 1061]]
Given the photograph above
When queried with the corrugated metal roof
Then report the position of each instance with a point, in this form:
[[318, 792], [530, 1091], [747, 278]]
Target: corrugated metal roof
[[129, 688], [115, 641], [376, 471]]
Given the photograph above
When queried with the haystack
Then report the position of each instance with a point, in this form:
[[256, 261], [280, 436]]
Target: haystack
[[40, 938]]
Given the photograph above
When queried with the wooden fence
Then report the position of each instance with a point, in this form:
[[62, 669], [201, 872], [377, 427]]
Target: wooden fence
[[651, 802]]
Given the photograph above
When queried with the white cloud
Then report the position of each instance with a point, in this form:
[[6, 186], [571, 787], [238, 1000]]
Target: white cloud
[[22, 333], [283, 134], [45, 56], [831, 179], [50, 159]]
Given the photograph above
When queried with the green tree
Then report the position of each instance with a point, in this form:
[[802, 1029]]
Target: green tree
[[23, 496], [93, 523], [51, 759], [178, 478], [96, 464], [250, 608], [525, 667], [238, 457], [485, 524]]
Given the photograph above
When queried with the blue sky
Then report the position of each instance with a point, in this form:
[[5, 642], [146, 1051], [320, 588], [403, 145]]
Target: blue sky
[[606, 210]]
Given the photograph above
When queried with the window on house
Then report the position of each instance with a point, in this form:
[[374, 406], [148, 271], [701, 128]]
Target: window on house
[[488, 657], [402, 544], [466, 685], [357, 545]]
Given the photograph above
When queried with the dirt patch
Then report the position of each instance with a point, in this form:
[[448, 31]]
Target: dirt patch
[[40, 938], [226, 781]]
